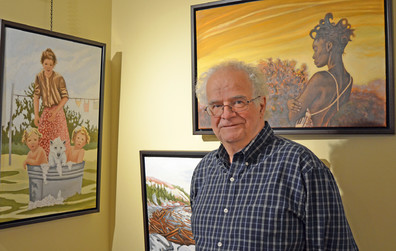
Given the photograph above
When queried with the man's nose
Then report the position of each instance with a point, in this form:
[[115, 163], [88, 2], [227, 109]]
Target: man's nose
[[227, 112]]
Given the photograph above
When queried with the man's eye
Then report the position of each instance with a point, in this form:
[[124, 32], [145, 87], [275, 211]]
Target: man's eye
[[239, 102], [217, 106]]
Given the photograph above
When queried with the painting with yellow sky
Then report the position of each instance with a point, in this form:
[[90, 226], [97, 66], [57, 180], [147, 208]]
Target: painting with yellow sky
[[275, 36]]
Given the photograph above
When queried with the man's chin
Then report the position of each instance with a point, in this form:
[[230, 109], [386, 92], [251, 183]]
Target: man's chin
[[230, 133]]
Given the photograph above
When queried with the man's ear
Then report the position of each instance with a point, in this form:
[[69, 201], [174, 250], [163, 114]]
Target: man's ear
[[263, 104]]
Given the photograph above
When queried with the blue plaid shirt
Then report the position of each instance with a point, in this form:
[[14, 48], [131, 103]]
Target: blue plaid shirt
[[275, 195]]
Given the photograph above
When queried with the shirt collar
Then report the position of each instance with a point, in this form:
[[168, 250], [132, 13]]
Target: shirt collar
[[253, 149]]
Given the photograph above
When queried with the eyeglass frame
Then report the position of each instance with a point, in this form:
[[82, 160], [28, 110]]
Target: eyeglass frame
[[209, 111]]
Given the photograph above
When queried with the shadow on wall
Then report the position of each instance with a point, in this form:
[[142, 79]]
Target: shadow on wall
[[365, 170], [116, 66]]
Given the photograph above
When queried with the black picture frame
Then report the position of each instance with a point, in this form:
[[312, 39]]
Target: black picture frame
[[220, 31], [161, 170], [40, 191]]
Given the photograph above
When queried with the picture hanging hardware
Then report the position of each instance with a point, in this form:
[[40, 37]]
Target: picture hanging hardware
[[51, 14]]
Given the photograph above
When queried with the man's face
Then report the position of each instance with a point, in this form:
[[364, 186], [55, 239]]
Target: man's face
[[321, 54], [235, 129]]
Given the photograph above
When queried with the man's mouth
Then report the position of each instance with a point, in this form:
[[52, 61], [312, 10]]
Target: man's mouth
[[229, 126]]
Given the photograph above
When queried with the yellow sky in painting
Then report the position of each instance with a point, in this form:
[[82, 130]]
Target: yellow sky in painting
[[280, 29]]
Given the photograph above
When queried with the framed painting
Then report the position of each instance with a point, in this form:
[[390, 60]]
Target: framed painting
[[51, 88], [328, 65], [166, 178]]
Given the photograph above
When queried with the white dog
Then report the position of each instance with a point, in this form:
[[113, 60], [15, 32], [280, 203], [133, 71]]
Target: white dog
[[57, 154]]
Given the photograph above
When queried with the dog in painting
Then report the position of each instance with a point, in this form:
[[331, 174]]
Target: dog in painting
[[57, 154]]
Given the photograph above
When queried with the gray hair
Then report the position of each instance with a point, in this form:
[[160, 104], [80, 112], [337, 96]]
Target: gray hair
[[256, 77]]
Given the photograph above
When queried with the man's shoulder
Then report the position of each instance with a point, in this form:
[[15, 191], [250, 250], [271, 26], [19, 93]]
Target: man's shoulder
[[289, 145], [205, 165], [296, 151], [209, 157]]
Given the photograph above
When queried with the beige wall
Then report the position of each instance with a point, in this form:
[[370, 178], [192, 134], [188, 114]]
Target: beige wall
[[154, 37], [90, 19]]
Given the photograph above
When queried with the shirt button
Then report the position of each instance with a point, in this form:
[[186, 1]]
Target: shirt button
[[246, 163], [219, 244], [225, 210], [232, 179]]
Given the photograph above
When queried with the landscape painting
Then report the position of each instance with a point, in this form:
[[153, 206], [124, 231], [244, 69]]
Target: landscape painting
[[166, 178], [51, 115], [328, 64]]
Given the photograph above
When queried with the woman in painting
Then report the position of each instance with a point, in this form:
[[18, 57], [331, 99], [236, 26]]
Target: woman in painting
[[51, 88], [326, 91]]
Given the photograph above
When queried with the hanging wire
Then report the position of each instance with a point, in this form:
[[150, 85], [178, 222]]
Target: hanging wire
[[52, 10]]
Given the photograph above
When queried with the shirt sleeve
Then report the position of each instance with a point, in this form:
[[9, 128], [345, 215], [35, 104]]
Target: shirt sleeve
[[62, 87], [326, 225], [193, 186]]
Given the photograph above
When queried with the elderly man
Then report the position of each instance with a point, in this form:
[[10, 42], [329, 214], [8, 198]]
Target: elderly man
[[258, 191]]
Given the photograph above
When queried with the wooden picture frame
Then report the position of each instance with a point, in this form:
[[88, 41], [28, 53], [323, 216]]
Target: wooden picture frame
[[275, 36], [50, 167], [166, 178]]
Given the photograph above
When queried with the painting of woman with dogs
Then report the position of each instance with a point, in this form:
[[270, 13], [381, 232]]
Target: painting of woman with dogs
[[50, 124]]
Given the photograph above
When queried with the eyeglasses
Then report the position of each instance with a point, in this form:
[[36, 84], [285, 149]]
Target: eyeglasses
[[238, 105]]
